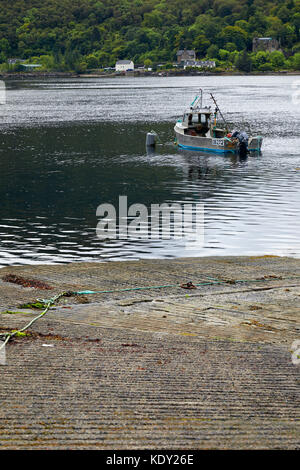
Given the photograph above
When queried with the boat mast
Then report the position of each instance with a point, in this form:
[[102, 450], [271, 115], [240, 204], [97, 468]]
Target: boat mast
[[194, 104], [218, 109]]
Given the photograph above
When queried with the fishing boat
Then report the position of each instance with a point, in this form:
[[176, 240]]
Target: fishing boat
[[201, 129]]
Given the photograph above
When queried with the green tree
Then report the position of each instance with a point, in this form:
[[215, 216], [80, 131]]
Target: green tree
[[260, 58], [201, 44], [243, 62], [277, 58], [296, 48], [234, 34], [92, 61], [223, 54], [230, 46], [148, 63], [153, 19], [266, 67], [4, 48], [212, 51], [296, 61]]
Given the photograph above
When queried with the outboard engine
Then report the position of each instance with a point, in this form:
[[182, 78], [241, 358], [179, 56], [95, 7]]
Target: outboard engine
[[243, 148], [243, 142]]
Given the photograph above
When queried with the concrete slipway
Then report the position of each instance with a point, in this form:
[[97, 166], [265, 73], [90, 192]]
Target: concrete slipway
[[168, 368]]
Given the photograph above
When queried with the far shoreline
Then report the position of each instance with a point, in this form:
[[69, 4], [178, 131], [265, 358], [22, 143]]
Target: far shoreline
[[48, 75]]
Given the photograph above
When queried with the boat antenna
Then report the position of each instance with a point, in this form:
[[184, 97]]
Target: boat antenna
[[194, 104], [201, 95], [218, 109]]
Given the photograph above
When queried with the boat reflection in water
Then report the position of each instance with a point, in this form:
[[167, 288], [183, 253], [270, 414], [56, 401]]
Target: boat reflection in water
[[199, 158]]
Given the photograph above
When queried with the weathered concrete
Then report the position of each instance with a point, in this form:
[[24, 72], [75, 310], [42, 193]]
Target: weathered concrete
[[158, 368]]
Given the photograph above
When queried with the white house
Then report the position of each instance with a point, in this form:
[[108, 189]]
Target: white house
[[207, 64], [124, 65]]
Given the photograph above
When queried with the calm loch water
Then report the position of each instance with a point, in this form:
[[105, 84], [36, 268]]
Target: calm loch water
[[69, 145]]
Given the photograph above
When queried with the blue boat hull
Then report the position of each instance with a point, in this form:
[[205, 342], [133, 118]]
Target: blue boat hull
[[204, 149], [213, 145]]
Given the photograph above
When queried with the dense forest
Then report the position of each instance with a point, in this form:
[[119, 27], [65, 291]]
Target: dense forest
[[87, 34]]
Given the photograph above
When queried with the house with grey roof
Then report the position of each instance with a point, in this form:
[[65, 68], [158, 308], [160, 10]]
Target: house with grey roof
[[185, 54]]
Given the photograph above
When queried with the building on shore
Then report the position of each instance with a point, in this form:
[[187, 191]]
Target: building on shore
[[265, 44], [31, 66], [185, 54], [15, 61], [124, 65], [202, 64]]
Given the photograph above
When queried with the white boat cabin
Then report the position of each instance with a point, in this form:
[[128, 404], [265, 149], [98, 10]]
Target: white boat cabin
[[201, 122]]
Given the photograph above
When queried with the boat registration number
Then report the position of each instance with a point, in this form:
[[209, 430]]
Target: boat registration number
[[219, 142]]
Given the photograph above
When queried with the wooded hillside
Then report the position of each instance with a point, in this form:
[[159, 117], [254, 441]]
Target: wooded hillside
[[82, 34]]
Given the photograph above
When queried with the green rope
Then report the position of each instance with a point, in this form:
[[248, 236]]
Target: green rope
[[85, 292], [48, 303], [215, 282]]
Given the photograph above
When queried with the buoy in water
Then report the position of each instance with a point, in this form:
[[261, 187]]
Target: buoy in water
[[151, 139]]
